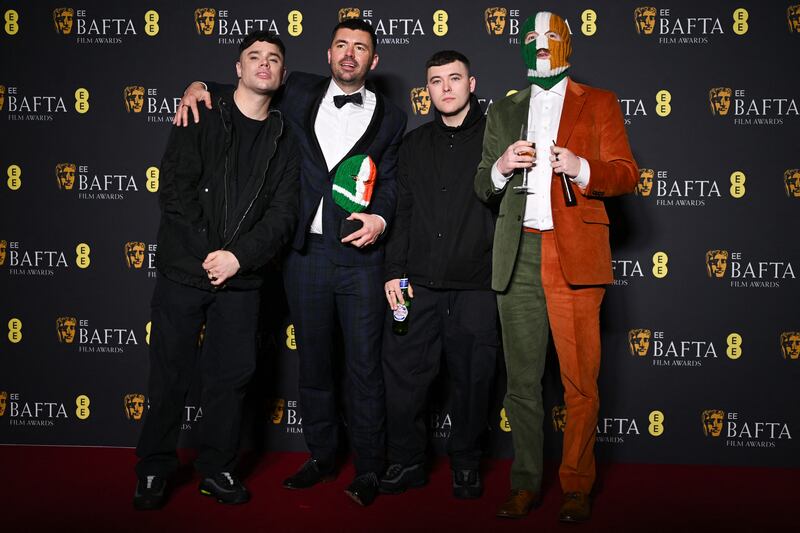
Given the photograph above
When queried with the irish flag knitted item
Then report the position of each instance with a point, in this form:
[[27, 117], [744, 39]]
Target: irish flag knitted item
[[353, 183]]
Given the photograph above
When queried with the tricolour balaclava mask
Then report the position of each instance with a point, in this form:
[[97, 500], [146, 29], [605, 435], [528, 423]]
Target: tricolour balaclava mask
[[546, 72]]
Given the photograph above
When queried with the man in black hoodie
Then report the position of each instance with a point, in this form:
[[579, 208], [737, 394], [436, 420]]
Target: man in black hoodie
[[229, 202], [442, 242]]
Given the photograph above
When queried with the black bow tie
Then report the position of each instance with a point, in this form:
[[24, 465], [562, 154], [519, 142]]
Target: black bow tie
[[340, 99]]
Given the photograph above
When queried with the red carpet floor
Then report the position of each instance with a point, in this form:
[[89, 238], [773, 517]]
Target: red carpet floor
[[90, 489]]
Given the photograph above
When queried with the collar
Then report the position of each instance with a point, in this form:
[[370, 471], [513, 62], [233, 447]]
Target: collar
[[335, 90], [559, 88]]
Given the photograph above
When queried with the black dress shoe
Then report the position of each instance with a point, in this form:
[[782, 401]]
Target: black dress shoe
[[398, 478], [225, 487], [150, 494], [309, 475], [467, 484], [363, 489]]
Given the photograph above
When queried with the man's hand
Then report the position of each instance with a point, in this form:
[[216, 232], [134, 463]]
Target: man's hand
[[193, 93], [521, 154], [394, 294], [369, 232], [220, 266], [563, 160]]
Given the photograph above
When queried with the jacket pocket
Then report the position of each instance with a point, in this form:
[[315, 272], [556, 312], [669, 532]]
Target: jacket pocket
[[594, 215]]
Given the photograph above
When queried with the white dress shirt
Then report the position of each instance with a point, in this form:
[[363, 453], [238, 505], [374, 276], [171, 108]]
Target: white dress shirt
[[544, 118], [339, 129]]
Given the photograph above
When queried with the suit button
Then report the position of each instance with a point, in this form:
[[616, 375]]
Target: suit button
[[439, 235], [205, 190], [444, 189], [519, 218]]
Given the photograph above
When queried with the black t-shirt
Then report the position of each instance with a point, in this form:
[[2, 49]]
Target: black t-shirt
[[248, 134]]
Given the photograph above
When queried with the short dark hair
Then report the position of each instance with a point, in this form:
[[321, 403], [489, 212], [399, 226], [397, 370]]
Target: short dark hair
[[357, 24], [445, 57], [263, 36]]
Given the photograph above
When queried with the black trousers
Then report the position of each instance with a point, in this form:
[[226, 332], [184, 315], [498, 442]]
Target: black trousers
[[460, 325], [323, 297], [227, 362]]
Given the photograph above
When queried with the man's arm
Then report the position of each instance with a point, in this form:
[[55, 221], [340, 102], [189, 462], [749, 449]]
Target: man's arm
[[197, 91], [181, 169], [274, 230], [499, 162], [384, 200], [615, 171], [397, 240]]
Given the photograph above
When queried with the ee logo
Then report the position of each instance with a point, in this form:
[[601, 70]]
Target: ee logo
[[440, 17], [82, 100], [656, 427], [15, 330], [505, 425], [589, 22], [12, 22], [295, 23], [147, 330], [14, 177], [291, 341], [152, 174], [663, 98], [82, 411], [734, 350], [660, 260], [740, 17], [151, 23], [737, 184], [82, 260]]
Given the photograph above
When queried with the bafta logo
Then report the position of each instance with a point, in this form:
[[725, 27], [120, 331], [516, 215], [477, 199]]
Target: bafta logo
[[65, 327], [349, 13], [720, 100], [639, 341], [716, 263], [277, 408], [3, 248], [495, 19], [65, 176], [134, 254], [134, 406], [713, 420], [420, 101], [62, 19], [559, 418], [134, 98], [791, 179], [645, 18], [790, 344], [2, 96], [645, 185], [204, 18], [793, 18], [3, 401]]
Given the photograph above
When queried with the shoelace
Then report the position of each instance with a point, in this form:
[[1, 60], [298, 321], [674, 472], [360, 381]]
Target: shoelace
[[150, 481], [227, 475]]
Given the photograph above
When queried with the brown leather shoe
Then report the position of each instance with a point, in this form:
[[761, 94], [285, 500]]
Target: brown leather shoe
[[519, 503], [577, 507]]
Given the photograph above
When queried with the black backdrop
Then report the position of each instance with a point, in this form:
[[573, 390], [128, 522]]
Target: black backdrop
[[718, 339]]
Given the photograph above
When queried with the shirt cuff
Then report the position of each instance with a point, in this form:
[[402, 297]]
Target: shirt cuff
[[498, 179], [582, 179], [384, 223]]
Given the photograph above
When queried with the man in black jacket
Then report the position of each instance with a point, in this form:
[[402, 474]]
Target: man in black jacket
[[229, 200], [442, 241], [334, 273]]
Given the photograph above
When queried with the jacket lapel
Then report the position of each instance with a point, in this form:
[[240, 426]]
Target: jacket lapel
[[573, 103], [311, 118]]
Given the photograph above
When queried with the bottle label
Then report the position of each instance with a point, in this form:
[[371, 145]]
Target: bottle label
[[401, 313], [403, 283]]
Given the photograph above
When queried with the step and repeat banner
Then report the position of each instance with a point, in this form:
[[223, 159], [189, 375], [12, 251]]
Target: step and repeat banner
[[701, 346]]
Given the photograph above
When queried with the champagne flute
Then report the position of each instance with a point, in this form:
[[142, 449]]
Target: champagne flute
[[523, 136]]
